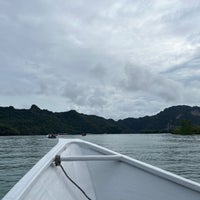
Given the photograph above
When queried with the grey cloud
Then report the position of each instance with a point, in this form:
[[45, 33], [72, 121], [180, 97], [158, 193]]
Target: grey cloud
[[141, 79], [182, 11], [141, 106], [84, 95], [192, 63], [186, 73], [97, 98], [75, 92], [75, 51], [13, 82], [98, 71], [182, 18]]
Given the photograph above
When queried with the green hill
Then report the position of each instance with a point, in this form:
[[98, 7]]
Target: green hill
[[37, 121], [165, 121]]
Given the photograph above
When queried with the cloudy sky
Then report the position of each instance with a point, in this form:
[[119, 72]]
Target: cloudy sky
[[113, 58]]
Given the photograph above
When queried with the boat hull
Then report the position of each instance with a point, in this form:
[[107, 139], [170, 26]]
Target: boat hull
[[102, 174]]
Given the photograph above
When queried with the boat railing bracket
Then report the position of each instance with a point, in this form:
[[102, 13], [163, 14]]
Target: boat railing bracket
[[57, 160]]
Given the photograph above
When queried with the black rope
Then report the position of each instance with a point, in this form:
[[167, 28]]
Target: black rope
[[58, 163]]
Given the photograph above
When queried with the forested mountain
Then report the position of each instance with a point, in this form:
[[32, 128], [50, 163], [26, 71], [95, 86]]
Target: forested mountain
[[37, 121], [165, 121]]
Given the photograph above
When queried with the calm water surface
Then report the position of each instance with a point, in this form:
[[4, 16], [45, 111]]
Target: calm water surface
[[178, 154]]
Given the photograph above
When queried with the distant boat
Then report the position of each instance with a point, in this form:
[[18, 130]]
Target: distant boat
[[83, 134], [52, 136], [79, 170]]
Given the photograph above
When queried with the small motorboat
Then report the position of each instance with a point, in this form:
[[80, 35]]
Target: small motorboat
[[78, 170], [52, 136]]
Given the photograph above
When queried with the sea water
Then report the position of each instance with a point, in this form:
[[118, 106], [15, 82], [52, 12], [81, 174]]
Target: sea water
[[177, 154]]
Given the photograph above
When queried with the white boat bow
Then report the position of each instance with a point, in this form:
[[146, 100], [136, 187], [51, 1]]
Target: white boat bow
[[101, 174]]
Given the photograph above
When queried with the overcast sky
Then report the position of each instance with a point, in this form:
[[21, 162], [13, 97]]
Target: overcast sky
[[112, 58]]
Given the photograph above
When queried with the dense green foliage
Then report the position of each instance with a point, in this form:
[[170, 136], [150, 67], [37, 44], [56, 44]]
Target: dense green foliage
[[36, 121], [187, 128], [165, 121]]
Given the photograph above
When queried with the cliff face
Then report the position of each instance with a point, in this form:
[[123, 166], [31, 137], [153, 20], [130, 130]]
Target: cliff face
[[37, 121]]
